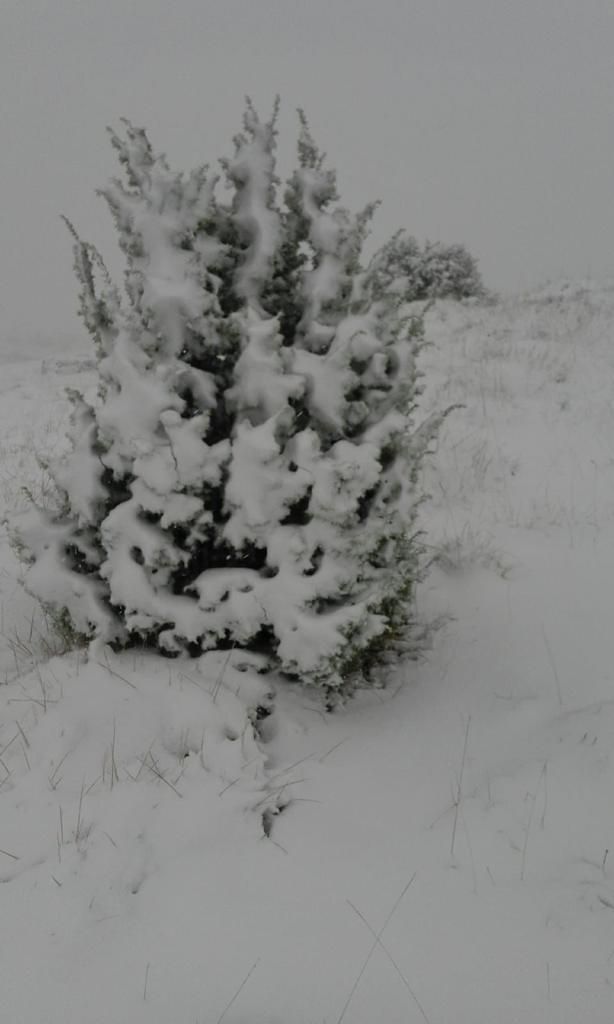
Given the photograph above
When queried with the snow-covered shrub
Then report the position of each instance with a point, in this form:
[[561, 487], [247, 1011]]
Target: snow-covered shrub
[[431, 271], [247, 476]]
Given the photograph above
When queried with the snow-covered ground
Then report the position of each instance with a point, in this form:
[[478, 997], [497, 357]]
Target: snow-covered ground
[[443, 852]]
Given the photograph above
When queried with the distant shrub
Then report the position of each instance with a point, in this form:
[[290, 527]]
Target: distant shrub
[[431, 271]]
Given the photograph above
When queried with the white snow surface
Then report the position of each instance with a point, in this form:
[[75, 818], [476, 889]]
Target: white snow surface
[[137, 881]]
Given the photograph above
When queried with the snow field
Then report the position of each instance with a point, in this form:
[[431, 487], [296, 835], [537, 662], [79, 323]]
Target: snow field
[[138, 881]]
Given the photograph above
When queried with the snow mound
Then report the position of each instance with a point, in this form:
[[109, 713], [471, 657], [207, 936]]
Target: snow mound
[[119, 762]]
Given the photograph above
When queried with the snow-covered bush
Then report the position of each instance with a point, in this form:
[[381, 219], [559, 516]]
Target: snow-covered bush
[[247, 476], [432, 271]]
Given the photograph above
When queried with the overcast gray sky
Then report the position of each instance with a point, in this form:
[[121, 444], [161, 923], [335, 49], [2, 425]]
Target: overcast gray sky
[[489, 122]]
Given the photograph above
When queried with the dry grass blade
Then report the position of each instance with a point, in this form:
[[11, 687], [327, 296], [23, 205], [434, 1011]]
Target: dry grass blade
[[239, 990], [385, 949], [153, 767], [374, 945], [333, 748], [143, 761], [6, 853], [114, 772], [295, 764], [217, 686], [23, 735], [53, 781], [79, 811], [117, 675], [7, 745], [557, 681], [278, 792], [459, 791], [523, 863]]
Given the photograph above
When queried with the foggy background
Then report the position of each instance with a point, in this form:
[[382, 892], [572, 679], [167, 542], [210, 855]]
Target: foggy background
[[487, 122]]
